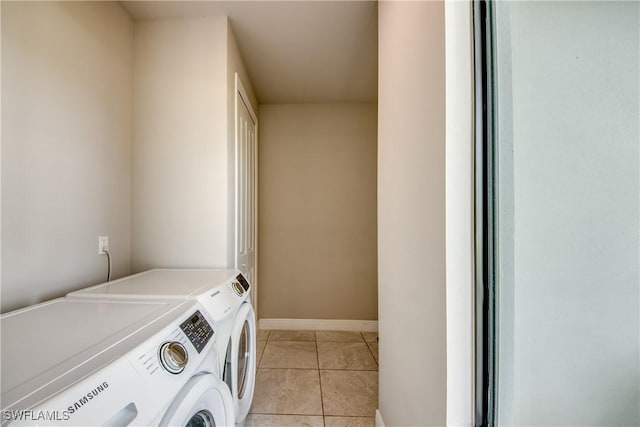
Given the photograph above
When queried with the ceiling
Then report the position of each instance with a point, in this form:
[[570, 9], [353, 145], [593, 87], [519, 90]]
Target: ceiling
[[295, 51]]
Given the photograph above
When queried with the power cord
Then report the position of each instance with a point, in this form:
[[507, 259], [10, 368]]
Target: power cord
[[106, 251]]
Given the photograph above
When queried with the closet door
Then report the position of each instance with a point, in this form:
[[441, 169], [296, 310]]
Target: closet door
[[246, 189]]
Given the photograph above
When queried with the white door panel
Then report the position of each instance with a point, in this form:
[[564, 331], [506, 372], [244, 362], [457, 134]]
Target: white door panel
[[246, 190]]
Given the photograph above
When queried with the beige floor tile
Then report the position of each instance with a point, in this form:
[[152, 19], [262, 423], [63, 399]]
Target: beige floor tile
[[287, 391], [263, 335], [264, 420], [349, 422], [340, 336], [259, 350], [345, 355], [370, 336], [374, 349], [292, 336], [289, 354], [349, 393]]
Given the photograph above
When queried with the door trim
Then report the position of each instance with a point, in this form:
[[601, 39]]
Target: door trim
[[485, 285]]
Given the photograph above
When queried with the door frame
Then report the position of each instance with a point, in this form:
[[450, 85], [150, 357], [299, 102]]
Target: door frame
[[486, 334], [240, 95]]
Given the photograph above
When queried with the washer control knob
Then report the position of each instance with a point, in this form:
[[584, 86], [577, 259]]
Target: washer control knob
[[237, 287], [173, 356]]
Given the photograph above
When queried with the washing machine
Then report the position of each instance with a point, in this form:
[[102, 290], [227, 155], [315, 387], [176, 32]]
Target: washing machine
[[79, 362], [225, 296]]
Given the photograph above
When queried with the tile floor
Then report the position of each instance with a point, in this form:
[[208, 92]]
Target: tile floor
[[315, 379]]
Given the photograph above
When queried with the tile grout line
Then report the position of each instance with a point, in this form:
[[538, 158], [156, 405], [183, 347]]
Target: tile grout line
[[259, 356], [263, 350], [323, 369], [371, 351], [306, 415], [258, 360], [313, 415], [319, 378]]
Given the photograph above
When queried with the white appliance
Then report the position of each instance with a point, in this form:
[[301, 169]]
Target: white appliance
[[225, 296], [79, 362]]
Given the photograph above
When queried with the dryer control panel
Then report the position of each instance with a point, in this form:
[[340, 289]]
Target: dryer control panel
[[245, 284], [198, 330]]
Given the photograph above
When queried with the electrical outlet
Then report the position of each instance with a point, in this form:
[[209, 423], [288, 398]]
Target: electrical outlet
[[103, 244]]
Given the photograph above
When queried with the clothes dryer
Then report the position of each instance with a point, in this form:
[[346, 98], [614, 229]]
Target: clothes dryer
[[79, 362], [225, 296]]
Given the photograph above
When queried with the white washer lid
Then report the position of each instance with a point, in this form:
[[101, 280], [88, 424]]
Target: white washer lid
[[159, 284], [49, 346]]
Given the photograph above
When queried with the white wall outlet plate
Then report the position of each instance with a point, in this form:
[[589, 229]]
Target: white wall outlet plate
[[103, 244]]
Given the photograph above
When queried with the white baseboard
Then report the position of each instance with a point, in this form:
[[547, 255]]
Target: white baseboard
[[379, 421], [319, 324]]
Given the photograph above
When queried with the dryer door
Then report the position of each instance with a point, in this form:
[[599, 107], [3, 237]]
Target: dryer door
[[240, 366], [205, 401]]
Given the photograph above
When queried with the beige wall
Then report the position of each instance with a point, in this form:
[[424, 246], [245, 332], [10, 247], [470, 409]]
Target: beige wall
[[179, 171], [411, 209], [183, 142], [317, 211], [66, 144]]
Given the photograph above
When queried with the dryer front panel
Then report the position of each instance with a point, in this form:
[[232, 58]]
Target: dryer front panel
[[205, 401], [240, 366]]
